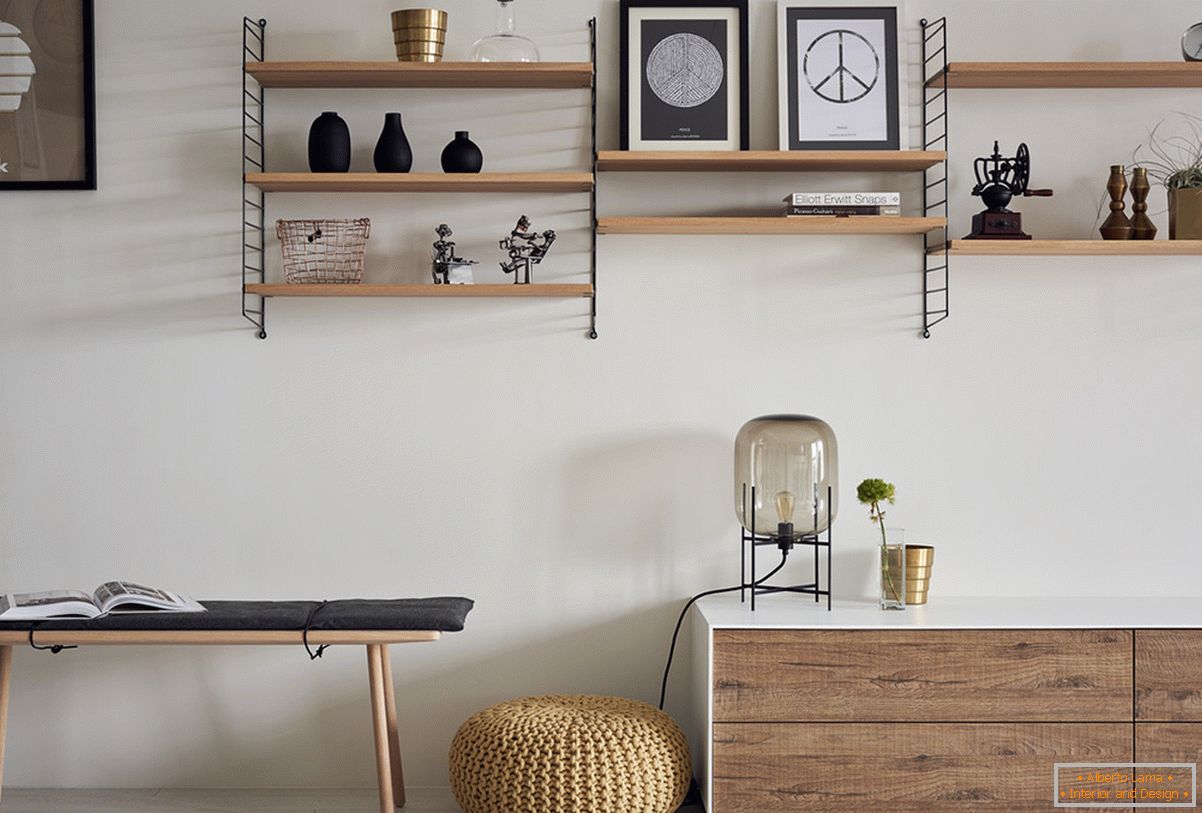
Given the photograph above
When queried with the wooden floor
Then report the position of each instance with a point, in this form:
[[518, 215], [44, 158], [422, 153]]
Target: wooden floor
[[19, 800]]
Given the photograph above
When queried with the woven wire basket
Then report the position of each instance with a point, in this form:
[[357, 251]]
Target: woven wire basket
[[329, 251]]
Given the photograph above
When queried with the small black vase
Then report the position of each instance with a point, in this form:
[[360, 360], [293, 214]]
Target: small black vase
[[329, 144], [393, 153], [462, 155]]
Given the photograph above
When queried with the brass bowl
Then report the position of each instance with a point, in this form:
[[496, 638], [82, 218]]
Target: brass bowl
[[919, 556], [919, 561], [419, 34]]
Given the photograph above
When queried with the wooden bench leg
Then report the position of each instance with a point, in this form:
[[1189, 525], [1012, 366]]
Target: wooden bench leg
[[379, 724], [6, 672], [394, 739]]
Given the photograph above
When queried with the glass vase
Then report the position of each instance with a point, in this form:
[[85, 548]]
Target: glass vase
[[893, 569], [506, 45]]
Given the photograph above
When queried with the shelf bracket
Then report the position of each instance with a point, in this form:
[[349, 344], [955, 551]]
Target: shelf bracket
[[935, 255], [254, 154]]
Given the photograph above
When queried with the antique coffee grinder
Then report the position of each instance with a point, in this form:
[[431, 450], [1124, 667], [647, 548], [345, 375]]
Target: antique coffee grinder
[[999, 180]]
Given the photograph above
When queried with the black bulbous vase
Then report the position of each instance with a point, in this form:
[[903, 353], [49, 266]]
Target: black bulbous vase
[[462, 155], [329, 144], [393, 153]]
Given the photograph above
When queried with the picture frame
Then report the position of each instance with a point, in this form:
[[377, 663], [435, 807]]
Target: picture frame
[[47, 95], [839, 68], [663, 107]]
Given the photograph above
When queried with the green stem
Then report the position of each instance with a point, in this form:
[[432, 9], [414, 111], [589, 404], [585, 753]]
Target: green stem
[[886, 571]]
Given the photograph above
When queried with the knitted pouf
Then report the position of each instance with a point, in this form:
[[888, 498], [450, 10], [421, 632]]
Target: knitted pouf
[[570, 754]]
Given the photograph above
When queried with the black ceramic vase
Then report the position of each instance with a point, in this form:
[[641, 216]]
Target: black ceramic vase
[[462, 155], [329, 144], [393, 153]]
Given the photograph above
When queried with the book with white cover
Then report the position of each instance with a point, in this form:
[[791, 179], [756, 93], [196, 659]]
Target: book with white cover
[[844, 199], [110, 597]]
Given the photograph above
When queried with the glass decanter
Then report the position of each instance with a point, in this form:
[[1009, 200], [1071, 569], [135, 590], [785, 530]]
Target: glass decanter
[[506, 45]]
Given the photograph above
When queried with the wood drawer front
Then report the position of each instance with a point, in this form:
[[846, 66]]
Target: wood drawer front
[[1168, 675], [1168, 742], [902, 767], [928, 675]]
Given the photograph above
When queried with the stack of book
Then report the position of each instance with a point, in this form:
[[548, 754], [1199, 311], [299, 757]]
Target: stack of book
[[842, 204]]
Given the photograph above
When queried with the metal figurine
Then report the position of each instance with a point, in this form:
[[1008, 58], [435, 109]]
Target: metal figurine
[[526, 250], [1000, 180], [449, 269]]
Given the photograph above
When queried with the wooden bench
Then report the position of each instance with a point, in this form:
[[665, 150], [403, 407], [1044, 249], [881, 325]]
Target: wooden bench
[[322, 631]]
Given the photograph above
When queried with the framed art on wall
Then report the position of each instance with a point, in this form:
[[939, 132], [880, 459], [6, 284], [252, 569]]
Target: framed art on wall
[[838, 77], [684, 75], [47, 95]]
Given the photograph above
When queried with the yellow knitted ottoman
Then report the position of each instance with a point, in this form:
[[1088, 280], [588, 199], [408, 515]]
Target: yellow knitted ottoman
[[570, 754]]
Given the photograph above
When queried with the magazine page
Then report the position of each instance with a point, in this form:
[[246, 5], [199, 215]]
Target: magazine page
[[128, 597], [48, 604]]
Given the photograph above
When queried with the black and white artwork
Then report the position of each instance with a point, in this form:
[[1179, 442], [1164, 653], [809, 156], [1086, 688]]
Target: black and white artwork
[[684, 93], [47, 95], [838, 77], [684, 75]]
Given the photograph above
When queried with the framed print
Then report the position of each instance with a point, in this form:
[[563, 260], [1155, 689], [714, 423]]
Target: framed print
[[838, 77], [47, 95], [684, 75]]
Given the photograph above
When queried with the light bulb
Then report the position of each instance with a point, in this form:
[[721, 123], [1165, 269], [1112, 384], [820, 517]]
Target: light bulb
[[785, 502]]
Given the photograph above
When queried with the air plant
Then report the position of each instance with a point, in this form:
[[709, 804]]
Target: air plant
[[1175, 161]]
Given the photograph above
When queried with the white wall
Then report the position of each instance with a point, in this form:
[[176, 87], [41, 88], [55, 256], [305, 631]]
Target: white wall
[[1045, 439]]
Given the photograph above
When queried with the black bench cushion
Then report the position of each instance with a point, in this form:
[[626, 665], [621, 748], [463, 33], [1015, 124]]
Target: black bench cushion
[[446, 614]]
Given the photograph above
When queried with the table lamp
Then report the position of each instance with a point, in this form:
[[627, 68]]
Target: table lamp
[[786, 479]]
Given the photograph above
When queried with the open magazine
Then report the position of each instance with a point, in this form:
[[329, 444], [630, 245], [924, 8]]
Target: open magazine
[[110, 597]]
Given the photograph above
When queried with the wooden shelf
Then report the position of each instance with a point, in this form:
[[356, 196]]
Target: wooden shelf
[[1070, 75], [450, 291], [443, 75], [768, 161], [1074, 248], [768, 225], [421, 182]]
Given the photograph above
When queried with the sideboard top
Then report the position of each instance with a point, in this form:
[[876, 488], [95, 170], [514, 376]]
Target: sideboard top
[[800, 612]]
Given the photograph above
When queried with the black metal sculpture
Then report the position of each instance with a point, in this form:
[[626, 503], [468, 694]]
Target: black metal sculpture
[[526, 249], [448, 268], [1000, 180]]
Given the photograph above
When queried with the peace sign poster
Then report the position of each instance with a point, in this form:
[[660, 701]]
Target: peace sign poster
[[684, 75], [839, 78]]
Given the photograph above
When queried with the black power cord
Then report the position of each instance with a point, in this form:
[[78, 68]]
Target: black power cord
[[663, 686]]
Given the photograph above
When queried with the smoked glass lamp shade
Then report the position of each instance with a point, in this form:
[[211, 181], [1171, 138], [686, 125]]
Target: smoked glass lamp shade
[[792, 462]]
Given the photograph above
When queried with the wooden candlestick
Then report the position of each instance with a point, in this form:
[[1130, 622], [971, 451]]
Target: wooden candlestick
[[1142, 225], [1117, 226]]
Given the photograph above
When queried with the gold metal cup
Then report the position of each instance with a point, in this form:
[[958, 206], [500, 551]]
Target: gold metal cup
[[919, 561], [419, 34]]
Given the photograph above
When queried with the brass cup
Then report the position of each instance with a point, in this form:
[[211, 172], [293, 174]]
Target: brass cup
[[919, 561], [419, 34]]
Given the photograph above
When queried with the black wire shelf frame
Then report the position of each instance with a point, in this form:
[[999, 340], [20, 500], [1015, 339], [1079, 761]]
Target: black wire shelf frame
[[935, 256], [254, 159]]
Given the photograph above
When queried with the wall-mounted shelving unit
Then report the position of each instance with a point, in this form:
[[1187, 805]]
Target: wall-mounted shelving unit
[[508, 290], [769, 161], [1074, 248], [1080, 75], [769, 225], [940, 76], [493, 182], [863, 161], [436, 75], [258, 75]]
